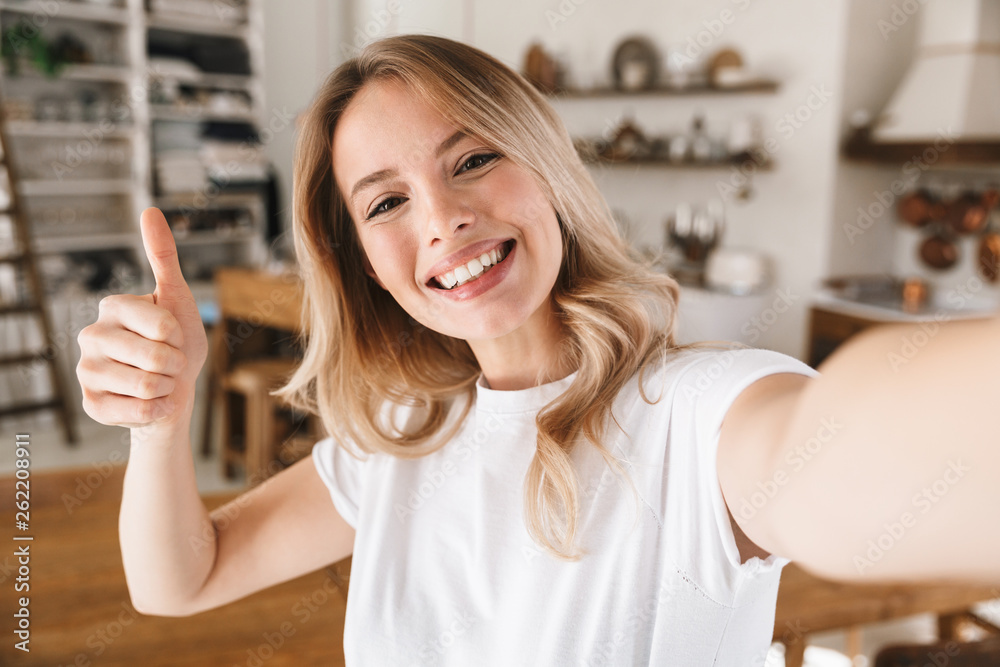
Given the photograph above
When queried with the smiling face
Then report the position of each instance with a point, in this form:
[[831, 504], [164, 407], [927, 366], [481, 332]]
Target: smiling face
[[431, 204]]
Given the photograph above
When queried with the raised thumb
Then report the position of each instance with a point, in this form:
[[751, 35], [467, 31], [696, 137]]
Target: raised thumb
[[161, 251]]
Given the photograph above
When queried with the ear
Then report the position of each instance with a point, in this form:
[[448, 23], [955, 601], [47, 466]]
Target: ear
[[370, 271]]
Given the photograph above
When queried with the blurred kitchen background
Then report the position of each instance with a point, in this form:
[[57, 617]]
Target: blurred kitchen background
[[806, 168]]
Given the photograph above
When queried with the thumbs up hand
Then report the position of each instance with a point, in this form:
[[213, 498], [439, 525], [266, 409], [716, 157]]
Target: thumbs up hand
[[140, 360]]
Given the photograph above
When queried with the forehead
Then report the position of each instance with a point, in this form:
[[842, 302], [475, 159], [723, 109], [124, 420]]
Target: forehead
[[385, 126]]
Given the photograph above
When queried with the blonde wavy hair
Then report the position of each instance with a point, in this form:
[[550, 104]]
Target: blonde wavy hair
[[362, 349]]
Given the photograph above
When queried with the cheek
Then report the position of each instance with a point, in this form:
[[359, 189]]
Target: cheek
[[389, 255], [524, 201]]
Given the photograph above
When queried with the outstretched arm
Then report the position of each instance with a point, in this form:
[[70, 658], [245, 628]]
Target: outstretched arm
[[887, 467]]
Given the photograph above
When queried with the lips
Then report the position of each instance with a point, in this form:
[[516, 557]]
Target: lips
[[459, 261], [473, 270]]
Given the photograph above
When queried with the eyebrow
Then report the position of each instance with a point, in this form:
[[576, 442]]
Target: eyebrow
[[385, 174]]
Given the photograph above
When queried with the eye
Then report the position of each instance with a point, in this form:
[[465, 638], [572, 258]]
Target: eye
[[477, 160], [384, 206]]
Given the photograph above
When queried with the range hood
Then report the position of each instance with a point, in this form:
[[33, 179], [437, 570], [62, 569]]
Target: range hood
[[952, 87]]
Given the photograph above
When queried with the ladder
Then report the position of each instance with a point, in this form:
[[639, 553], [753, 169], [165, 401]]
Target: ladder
[[24, 259]]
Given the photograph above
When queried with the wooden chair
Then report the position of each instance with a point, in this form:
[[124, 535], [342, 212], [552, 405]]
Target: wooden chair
[[984, 653], [259, 314]]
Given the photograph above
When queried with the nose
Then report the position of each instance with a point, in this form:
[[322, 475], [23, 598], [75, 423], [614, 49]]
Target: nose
[[446, 212]]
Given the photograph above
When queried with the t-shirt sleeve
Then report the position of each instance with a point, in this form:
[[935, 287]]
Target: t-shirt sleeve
[[706, 388], [343, 475]]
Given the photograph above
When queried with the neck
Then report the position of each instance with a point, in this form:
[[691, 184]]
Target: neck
[[530, 355]]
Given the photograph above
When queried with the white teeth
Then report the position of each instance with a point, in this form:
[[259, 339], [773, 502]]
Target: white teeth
[[472, 269], [462, 273]]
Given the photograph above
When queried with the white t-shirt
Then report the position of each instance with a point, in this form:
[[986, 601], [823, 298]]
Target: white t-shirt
[[445, 573]]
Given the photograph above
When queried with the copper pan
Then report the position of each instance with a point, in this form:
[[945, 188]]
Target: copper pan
[[939, 251]]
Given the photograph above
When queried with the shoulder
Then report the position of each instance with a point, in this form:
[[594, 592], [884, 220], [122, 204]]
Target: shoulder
[[712, 377]]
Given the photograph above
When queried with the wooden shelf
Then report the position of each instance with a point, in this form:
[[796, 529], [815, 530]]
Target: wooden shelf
[[195, 25], [669, 164], [762, 86], [82, 72], [13, 308], [197, 115], [56, 188], [34, 128], [68, 10], [82, 243], [860, 147], [213, 237], [241, 82], [197, 200]]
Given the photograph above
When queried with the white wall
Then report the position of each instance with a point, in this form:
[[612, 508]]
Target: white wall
[[799, 42], [874, 63], [300, 48]]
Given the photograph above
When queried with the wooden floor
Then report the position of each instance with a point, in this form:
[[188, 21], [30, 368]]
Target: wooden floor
[[79, 605], [81, 614]]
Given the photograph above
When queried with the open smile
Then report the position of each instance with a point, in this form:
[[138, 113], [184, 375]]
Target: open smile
[[473, 269]]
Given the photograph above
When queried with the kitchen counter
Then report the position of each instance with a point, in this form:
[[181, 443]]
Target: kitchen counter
[[832, 319], [887, 312]]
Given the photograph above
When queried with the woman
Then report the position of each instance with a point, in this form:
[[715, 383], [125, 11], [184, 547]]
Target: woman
[[525, 466]]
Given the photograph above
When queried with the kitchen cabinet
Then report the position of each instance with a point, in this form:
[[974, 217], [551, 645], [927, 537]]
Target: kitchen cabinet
[[828, 329], [834, 320]]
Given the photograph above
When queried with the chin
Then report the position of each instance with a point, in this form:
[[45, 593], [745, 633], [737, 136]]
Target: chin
[[494, 328]]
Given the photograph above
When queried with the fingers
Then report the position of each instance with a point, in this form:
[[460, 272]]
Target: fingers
[[117, 378], [115, 410], [140, 315], [136, 351], [161, 251]]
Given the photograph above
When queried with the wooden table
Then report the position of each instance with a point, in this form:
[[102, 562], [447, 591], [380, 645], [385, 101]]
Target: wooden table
[[808, 604], [80, 610], [256, 309]]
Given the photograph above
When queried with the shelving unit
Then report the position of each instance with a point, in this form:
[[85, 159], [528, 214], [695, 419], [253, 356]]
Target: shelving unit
[[669, 164], [86, 143], [762, 86], [860, 147]]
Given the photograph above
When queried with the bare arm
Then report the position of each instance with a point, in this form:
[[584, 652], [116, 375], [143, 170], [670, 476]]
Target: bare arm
[[180, 560], [884, 468], [167, 538], [142, 355]]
